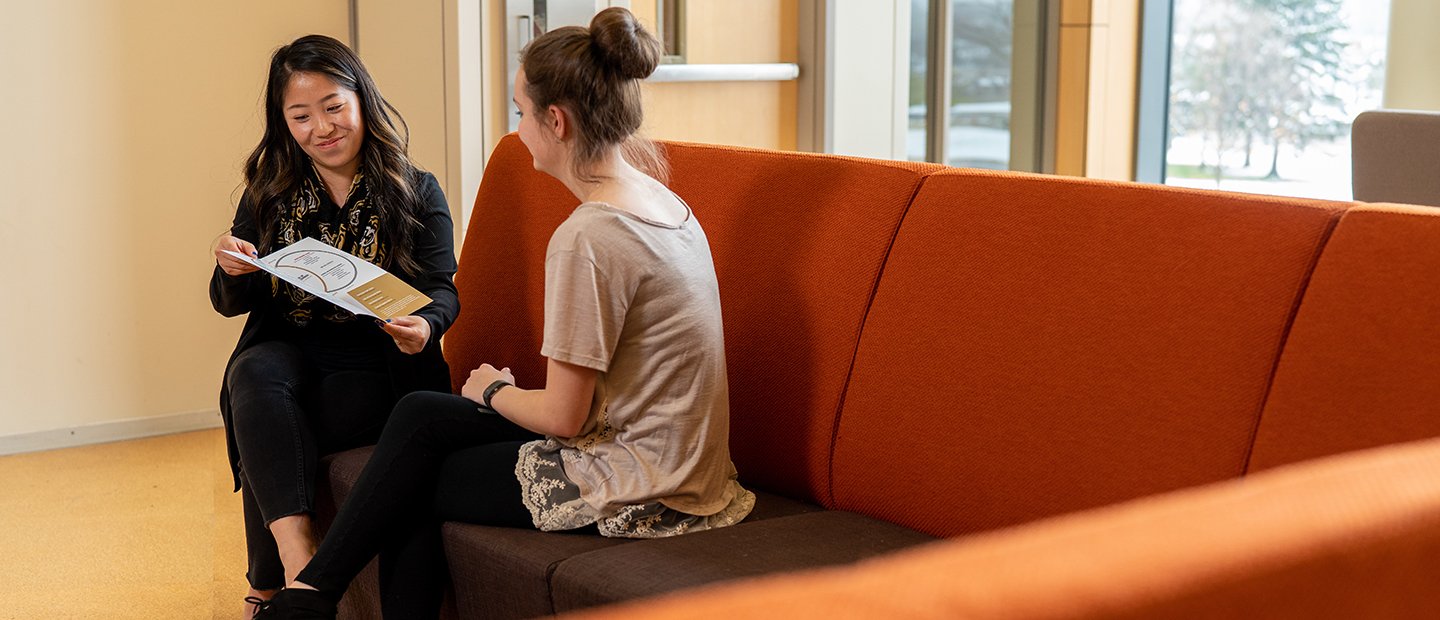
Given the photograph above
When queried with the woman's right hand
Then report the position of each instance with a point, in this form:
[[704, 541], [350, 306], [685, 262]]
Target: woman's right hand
[[231, 265]]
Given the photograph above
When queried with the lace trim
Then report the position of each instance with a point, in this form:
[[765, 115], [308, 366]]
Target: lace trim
[[603, 433], [655, 520], [555, 503]]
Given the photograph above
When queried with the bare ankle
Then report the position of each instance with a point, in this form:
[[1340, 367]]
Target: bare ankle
[[295, 541], [295, 561]]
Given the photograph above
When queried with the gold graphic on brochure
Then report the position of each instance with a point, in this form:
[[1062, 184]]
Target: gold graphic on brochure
[[388, 297]]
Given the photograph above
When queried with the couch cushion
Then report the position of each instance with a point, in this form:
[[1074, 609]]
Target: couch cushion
[[798, 241], [341, 471], [506, 572], [1361, 367], [649, 567], [1043, 344]]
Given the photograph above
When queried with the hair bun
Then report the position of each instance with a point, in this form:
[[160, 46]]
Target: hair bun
[[624, 46]]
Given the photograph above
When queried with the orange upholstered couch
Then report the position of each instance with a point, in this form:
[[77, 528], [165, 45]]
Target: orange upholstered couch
[[1349, 536], [918, 352]]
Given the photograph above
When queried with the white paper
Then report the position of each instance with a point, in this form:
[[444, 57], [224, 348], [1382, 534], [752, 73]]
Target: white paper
[[322, 270]]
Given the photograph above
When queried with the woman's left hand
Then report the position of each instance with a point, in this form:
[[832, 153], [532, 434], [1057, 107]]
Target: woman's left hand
[[481, 378], [411, 333]]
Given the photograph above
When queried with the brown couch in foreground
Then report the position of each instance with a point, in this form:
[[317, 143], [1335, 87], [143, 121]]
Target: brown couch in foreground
[[918, 352]]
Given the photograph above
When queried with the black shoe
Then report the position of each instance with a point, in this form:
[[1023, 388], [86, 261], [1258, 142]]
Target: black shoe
[[295, 604]]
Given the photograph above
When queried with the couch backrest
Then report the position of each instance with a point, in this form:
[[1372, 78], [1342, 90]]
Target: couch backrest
[[1042, 344], [1361, 367], [798, 242], [501, 278]]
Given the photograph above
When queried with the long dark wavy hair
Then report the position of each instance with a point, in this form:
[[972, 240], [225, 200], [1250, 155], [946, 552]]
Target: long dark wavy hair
[[278, 166]]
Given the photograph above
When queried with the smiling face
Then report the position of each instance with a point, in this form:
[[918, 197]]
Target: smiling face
[[324, 118]]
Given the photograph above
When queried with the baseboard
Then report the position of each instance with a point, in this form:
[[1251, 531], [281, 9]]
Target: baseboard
[[104, 432]]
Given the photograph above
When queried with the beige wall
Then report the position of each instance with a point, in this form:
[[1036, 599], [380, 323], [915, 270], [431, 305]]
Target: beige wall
[[1412, 79], [426, 58], [758, 114], [126, 125], [403, 46]]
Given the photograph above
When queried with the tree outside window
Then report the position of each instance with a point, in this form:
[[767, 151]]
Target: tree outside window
[[1262, 92]]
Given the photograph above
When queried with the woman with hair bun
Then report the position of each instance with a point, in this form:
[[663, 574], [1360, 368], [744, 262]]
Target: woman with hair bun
[[628, 437]]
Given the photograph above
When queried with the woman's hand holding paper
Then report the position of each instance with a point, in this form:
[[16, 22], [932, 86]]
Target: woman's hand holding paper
[[411, 333], [229, 264]]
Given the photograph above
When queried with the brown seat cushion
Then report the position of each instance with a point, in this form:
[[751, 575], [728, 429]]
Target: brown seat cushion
[[503, 572], [650, 567]]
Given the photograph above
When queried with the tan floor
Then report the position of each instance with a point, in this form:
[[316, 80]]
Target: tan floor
[[137, 529]]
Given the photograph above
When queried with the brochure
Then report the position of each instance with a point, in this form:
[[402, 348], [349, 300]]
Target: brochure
[[341, 278]]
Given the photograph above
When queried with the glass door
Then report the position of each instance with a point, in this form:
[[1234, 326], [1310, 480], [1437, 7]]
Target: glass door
[[984, 64]]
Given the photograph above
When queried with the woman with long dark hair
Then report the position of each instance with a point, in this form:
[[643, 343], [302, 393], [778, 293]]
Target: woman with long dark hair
[[629, 435], [308, 378]]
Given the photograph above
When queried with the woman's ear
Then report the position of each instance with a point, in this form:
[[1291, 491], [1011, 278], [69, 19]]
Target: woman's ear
[[559, 122]]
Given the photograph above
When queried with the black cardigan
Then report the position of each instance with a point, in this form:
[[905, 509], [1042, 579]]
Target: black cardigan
[[434, 251]]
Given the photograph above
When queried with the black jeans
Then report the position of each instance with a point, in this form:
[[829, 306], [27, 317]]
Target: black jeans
[[290, 405], [440, 458]]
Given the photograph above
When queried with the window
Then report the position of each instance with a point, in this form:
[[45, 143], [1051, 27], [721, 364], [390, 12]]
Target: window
[[982, 61], [1261, 93], [670, 19]]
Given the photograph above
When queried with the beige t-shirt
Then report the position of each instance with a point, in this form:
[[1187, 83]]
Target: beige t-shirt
[[637, 301]]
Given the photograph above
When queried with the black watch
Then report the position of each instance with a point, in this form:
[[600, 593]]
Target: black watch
[[490, 392]]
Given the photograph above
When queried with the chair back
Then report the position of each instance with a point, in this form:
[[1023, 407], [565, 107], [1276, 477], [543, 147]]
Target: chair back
[[1395, 157]]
